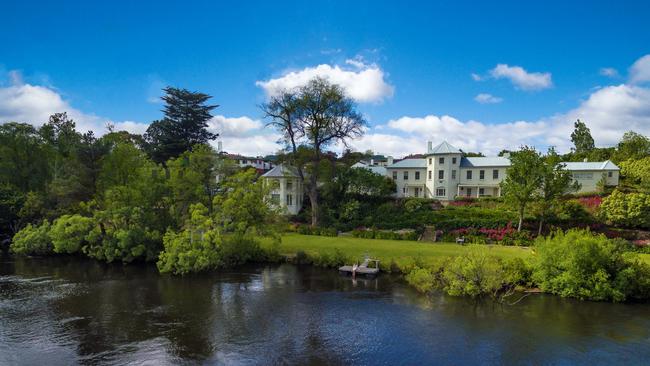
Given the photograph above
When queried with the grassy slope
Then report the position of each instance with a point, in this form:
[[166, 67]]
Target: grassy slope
[[402, 252]]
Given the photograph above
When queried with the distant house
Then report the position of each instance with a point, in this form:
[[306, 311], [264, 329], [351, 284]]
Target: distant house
[[288, 190], [445, 173]]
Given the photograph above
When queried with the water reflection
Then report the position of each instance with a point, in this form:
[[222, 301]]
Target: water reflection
[[65, 310]]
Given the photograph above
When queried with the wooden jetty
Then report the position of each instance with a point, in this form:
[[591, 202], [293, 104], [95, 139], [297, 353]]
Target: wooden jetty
[[362, 269]]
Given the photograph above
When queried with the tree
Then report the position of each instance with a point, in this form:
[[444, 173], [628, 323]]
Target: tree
[[185, 124], [581, 137], [633, 146], [317, 115], [523, 180], [23, 157], [629, 210], [638, 172]]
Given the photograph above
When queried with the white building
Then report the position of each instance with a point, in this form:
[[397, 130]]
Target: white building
[[444, 173], [287, 191]]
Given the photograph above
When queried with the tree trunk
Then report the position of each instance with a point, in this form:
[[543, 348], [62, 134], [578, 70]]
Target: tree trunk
[[541, 225], [313, 199], [521, 219]]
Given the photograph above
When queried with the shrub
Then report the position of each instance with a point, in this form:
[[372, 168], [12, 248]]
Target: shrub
[[629, 210], [33, 240], [239, 249], [587, 266], [421, 278], [386, 234], [475, 274], [69, 232], [320, 231]]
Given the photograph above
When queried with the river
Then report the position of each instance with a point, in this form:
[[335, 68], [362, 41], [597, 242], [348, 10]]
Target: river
[[61, 311]]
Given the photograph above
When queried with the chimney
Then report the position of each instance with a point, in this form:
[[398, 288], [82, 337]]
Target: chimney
[[430, 145], [219, 146], [389, 160]]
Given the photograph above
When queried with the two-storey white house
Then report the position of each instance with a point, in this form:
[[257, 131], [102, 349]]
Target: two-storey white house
[[287, 188], [444, 173]]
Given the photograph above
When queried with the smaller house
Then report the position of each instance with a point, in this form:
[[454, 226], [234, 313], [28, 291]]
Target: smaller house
[[590, 174], [377, 169], [288, 190]]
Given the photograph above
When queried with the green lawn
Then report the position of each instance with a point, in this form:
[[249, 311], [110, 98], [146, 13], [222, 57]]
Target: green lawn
[[402, 252]]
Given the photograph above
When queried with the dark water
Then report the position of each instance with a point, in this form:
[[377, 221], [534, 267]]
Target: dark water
[[66, 311]]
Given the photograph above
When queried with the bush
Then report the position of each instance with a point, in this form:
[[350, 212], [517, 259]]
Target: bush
[[320, 231], [386, 234], [475, 274], [33, 240], [421, 278], [69, 232], [238, 250], [587, 266], [628, 210]]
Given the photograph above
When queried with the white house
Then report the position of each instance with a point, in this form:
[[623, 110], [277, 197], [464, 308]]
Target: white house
[[444, 173], [287, 191]]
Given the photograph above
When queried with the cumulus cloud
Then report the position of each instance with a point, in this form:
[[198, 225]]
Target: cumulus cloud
[[34, 104], [361, 81], [609, 112], [640, 70], [610, 72], [235, 126], [485, 98], [521, 78]]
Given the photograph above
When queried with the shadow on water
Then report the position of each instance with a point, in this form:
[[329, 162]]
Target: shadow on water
[[71, 310]]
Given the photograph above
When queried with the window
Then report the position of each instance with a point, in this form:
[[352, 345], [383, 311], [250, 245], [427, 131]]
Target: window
[[481, 191], [610, 174], [440, 192], [429, 174], [453, 160], [469, 175], [469, 192], [453, 174], [441, 174], [481, 174], [495, 174], [417, 175], [394, 175], [441, 160], [404, 190], [582, 176], [289, 200], [275, 198], [430, 162], [289, 186], [406, 175]]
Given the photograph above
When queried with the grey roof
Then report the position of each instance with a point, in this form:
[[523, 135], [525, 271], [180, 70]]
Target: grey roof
[[471, 162], [280, 171], [409, 163], [591, 165], [444, 148], [373, 168]]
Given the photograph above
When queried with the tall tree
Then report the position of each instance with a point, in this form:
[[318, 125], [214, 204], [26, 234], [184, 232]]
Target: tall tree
[[317, 115], [581, 137], [185, 124], [556, 181], [523, 180], [633, 146]]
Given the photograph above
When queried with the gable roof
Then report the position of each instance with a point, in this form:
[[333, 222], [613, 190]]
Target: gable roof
[[280, 171], [373, 168], [475, 162], [590, 165], [444, 148], [409, 163]]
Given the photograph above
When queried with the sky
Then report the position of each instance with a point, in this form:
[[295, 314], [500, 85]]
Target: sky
[[483, 76]]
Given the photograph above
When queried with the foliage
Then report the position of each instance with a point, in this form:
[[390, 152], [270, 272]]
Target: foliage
[[185, 124], [524, 177], [322, 231], [422, 279], [628, 210], [633, 146], [581, 137], [637, 172], [317, 115], [33, 240], [386, 234], [587, 266], [68, 233]]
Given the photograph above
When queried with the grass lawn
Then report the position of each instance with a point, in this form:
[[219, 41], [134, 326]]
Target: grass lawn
[[402, 252]]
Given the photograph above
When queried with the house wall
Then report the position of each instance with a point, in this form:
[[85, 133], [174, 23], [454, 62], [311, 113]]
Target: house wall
[[287, 194], [589, 179], [449, 183], [402, 189]]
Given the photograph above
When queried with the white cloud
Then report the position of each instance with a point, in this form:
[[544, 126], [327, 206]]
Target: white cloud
[[609, 112], [640, 70], [609, 72], [485, 98], [363, 83], [476, 77], [521, 78], [235, 126]]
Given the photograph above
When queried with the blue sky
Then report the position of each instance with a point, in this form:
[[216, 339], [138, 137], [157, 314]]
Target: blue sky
[[417, 70]]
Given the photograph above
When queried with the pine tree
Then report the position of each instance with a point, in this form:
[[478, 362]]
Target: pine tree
[[581, 137], [185, 124]]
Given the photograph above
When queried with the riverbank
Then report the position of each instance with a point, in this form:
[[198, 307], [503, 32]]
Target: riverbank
[[403, 253]]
